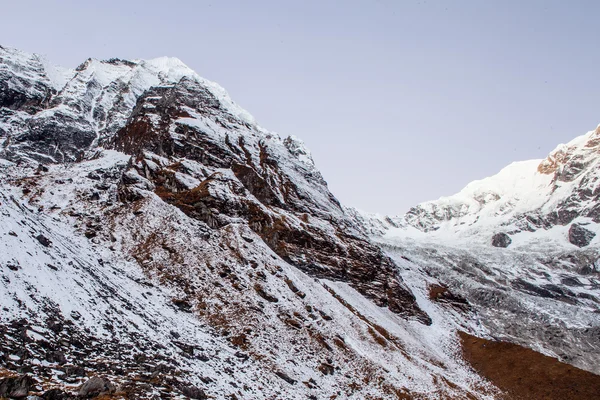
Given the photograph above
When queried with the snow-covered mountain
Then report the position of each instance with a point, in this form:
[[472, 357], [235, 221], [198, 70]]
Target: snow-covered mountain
[[156, 242], [530, 196]]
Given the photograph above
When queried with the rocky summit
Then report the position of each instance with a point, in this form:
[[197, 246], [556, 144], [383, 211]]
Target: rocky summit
[[156, 242]]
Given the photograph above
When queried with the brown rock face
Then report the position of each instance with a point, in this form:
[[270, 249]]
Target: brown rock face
[[442, 295], [525, 374], [551, 164], [250, 175]]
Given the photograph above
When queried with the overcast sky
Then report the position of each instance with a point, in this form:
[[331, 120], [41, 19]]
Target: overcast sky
[[399, 101]]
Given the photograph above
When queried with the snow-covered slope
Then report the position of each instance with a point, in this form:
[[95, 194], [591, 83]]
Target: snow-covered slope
[[98, 288]]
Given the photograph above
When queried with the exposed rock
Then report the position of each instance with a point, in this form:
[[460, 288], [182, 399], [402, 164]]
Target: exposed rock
[[263, 293], [571, 281], [96, 386], [16, 387], [74, 371], [182, 305], [285, 377], [193, 392], [56, 357], [501, 240], [580, 236], [442, 294], [44, 241], [52, 267], [535, 290], [326, 368], [13, 266]]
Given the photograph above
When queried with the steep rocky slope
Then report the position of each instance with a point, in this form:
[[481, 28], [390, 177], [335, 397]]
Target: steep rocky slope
[[156, 242], [520, 247]]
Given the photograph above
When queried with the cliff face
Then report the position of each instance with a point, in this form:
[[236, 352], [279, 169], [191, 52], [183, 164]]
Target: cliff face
[[182, 134]]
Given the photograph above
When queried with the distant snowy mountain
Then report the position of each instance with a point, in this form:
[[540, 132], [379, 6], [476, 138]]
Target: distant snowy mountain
[[530, 196], [156, 242]]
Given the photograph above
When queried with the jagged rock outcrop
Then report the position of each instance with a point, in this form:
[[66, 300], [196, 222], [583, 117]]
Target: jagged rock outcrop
[[16, 387]]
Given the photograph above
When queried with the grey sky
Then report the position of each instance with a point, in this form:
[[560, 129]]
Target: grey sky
[[399, 101]]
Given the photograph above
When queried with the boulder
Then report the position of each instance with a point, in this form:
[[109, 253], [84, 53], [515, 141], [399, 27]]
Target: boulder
[[56, 394], [501, 240], [95, 386], [44, 241], [192, 392], [580, 236], [16, 387]]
